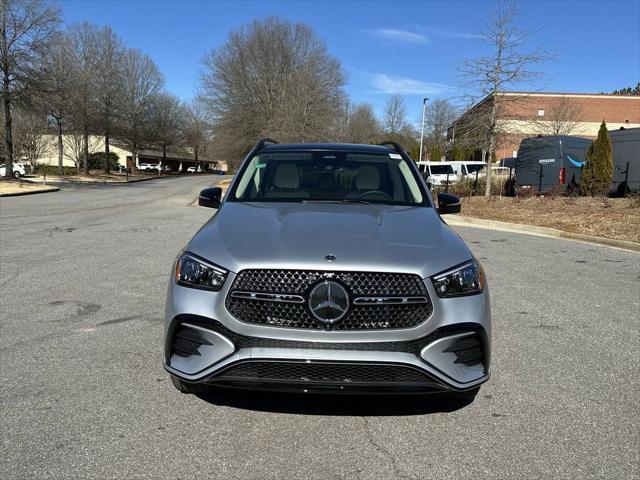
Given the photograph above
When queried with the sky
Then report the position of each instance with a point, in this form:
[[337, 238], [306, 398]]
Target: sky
[[410, 48]]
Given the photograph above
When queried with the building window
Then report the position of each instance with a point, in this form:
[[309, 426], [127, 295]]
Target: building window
[[541, 113]]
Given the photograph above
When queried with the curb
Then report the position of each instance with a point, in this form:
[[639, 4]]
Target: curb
[[458, 220], [104, 182], [33, 192]]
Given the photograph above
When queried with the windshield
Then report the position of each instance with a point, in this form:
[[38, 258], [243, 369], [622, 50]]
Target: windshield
[[328, 176], [441, 169], [475, 167]]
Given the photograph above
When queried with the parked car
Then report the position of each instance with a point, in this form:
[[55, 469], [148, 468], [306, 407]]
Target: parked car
[[625, 148], [121, 169], [19, 170], [193, 170], [148, 166], [218, 172], [328, 268], [547, 162], [166, 169], [438, 173], [464, 168]]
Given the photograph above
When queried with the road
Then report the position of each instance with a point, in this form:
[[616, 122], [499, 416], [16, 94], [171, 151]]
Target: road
[[83, 392]]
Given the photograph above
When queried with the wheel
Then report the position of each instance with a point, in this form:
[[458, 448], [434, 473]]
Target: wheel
[[185, 387], [16, 174]]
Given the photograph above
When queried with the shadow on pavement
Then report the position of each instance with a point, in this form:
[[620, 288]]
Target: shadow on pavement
[[336, 405]]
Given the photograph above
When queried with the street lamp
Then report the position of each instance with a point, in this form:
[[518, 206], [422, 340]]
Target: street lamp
[[424, 109]]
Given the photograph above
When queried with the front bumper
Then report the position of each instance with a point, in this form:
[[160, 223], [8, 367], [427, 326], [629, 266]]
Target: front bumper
[[451, 350]]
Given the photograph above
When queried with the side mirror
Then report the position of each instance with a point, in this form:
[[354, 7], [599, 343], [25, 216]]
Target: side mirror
[[448, 203], [210, 197]]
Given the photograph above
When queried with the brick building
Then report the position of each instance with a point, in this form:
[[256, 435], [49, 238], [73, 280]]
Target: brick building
[[527, 114]]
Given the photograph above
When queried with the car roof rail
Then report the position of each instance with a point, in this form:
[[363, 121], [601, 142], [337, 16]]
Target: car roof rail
[[263, 142], [396, 146]]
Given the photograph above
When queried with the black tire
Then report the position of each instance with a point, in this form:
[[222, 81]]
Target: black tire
[[186, 387], [16, 174]]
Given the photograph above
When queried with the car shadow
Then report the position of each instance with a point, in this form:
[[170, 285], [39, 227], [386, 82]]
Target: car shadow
[[331, 404]]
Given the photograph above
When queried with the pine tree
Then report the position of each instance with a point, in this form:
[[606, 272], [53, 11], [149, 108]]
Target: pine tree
[[598, 170]]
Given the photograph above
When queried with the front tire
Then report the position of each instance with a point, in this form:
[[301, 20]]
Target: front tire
[[16, 174]]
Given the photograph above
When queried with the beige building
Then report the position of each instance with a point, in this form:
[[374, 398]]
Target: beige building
[[528, 114], [178, 159]]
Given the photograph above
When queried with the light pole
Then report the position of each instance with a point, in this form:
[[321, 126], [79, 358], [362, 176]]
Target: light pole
[[424, 109]]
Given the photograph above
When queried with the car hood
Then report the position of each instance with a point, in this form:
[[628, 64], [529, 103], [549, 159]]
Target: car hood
[[292, 235]]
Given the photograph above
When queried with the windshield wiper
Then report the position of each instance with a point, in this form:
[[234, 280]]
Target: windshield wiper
[[344, 200]]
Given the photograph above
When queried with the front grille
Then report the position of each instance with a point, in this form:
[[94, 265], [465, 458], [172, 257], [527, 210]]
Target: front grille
[[318, 373], [364, 314]]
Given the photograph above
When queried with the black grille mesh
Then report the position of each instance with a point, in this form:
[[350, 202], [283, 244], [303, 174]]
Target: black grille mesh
[[298, 282], [297, 315], [324, 373]]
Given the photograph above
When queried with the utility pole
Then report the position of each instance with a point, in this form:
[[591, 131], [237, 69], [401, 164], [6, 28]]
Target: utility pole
[[424, 109]]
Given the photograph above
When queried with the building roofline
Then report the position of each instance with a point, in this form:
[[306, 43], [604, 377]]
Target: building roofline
[[543, 94]]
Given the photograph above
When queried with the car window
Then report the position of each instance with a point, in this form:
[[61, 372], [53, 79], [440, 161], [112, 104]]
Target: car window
[[473, 168], [441, 169], [328, 176]]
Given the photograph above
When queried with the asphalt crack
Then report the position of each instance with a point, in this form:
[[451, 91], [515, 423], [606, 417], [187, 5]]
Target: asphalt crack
[[397, 469]]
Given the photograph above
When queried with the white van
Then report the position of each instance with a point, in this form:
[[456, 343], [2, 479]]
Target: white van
[[438, 172], [469, 168]]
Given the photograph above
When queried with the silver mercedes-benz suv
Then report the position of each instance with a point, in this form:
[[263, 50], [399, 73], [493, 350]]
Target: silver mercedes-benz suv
[[328, 268]]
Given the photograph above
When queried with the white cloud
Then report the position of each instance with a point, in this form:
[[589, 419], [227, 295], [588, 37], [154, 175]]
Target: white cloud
[[394, 85], [450, 34], [403, 36]]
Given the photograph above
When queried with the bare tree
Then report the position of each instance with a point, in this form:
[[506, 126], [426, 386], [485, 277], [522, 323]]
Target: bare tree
[[363, 126], [142, 81], [167, 118], [30, 143], [560, 118], [395, 115], [196, 127], [506, 67], [84, 48], [57, 93], [74, 149], [25, 28], [271, 78], [440, 114], [108, 83]]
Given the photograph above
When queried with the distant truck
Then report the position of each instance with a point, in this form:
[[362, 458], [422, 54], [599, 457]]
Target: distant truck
[[551, 162], [625, 146]]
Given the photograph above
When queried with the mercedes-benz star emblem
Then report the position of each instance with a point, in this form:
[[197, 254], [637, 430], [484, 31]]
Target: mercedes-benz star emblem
[[329, 302]]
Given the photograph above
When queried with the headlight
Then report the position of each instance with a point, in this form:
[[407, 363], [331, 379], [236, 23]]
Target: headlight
[[465, 279], [195, 272]]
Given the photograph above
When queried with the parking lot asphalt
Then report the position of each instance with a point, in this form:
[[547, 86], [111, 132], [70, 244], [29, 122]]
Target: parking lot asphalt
[[84, 395]]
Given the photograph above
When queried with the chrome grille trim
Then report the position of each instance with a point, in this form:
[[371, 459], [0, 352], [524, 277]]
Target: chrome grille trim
[[389, 300], [268, 297]]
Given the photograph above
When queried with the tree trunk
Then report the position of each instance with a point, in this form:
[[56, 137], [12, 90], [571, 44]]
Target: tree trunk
[[86, 148], [164, 157], [8, 139], [134, 155], [60, 150], [107, 151]]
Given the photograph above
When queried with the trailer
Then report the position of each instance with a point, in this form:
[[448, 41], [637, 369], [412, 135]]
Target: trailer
[[551, 162], [625, 147]]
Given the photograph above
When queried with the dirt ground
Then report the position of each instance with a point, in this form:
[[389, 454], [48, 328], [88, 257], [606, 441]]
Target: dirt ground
[[97, 176], [13, 186], [617, 218]]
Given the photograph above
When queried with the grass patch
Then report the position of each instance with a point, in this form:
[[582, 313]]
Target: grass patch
[[617, 218]]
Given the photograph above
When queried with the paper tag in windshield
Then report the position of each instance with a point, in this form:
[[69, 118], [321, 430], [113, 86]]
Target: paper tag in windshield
[[395, 156]]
